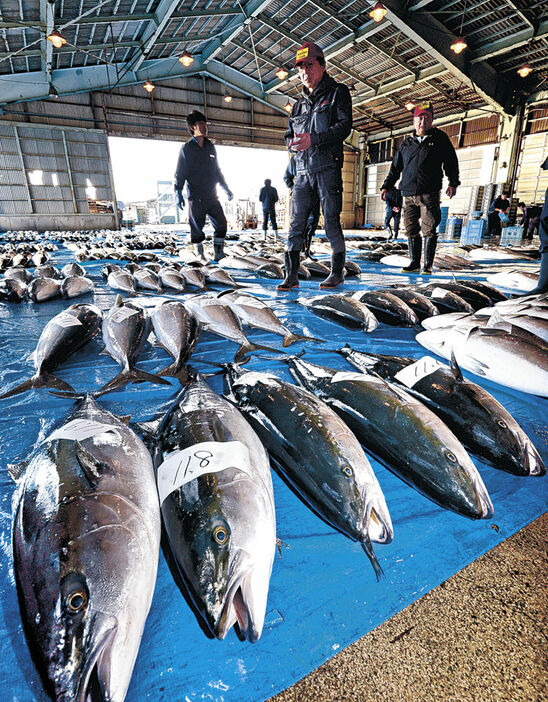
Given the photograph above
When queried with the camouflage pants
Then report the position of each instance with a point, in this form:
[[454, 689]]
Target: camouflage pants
[[421, 213]]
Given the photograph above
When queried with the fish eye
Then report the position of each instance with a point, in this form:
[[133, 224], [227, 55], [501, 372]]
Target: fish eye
[[76, 601], [220, 535], [502, 424], [347, 470], [451, 456]]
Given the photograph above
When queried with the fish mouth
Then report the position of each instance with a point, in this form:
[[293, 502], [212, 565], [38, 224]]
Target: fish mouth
[[376, 523], [238, 610], [531, 460], [94, 683]]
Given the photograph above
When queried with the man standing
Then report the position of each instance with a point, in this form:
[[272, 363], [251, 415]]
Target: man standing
[[499, 206], [419, 161], [394, 202], [313, 217], [320, 121], [198, 168], [269, 197]]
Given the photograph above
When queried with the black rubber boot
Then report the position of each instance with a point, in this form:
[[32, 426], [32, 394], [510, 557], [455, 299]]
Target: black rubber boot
[[336, 277], [291, 280], [542, 285], [218, 248], [430, 243], [199, 250], [388, 230], [414, 243]]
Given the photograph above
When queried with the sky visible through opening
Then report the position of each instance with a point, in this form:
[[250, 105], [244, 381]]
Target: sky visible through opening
[[138, 164]]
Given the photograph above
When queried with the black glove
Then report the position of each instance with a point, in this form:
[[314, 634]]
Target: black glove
[[180, 199]]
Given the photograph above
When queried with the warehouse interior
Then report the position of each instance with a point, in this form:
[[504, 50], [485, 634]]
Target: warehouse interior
[[459, 612]]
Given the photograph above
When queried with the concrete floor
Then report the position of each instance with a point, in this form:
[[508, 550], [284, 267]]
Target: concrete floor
[[481, 636]]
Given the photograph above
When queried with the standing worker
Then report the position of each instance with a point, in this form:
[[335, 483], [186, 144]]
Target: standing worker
[[542, 284], [320, 121], [419, 161], [530, 220], [394, 202], [269, 197], [313, 217], [497, 212], [198, 168]]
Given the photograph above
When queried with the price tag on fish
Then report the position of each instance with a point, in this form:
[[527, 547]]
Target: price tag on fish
[[410, 375], [66, 319], [80, 429], [180, 467], [122, 313], [438, 294], [350, 375], [249, 302]]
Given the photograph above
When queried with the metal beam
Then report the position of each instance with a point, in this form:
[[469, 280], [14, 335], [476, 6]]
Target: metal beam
[[514, 41], [396, 85], [163, 13], [520, 13], [46, 47], [435, 38]]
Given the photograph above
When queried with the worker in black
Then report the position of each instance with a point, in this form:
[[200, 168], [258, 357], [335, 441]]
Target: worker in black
[[198, 168], [320, 121], [419, 160], [499, 206], [542, 284], [313, 217], [268, 198], [394, 202], [530, 219]]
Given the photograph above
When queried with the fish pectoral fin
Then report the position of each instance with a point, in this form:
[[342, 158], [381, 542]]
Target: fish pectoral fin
[[456, 368], [476, 366], [16, 470], [92, 468], [279, 545]]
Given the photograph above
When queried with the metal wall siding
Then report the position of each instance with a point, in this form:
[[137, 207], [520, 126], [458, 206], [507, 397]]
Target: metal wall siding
[[480, 131], [531, 181], [537, 120]]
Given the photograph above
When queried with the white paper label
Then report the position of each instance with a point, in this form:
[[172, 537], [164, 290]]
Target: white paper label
[[65, 319], [122, 313], [410, 375], [208, 301], [79, 429], [249, 302], [351, 375], [438, 293], [181, 467]]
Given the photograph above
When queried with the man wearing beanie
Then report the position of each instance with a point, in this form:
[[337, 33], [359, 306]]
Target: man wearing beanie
[[420, 160], [320, 121]]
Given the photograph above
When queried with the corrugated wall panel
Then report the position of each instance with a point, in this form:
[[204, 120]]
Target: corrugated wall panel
[[537, 120], [480, 131], [531, 181]]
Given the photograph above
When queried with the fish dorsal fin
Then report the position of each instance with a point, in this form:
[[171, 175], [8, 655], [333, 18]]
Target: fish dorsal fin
[[16, 470], [148, 428], [125, 419], [93, 469], [456, 368], [119, 302]]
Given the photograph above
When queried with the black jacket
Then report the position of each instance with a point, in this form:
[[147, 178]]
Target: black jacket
[[198, 167], [290, 173], [394, 198], [326, 114], [269, 197], [420, 164]]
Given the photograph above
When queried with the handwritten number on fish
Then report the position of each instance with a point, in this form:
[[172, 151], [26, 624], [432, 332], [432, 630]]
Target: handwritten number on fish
[[201, 459]]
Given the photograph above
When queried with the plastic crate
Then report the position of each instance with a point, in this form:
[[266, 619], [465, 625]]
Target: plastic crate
[[443, 221], [474, 231], [511, 235]]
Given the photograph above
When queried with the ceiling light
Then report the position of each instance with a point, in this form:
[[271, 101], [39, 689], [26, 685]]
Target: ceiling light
[[186, 59], [409, 105], [227, 97], [288, 106], [378, 12], [282, 73], [52, 92], [459, 45], [149, 87], [56, 39], [524, 70]]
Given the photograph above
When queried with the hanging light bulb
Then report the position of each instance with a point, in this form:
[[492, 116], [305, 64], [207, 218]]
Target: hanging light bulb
[[282, 73], [288, 106], [524, 71], [459, 45], [56, 39], [409, 105], [52, 92], [378, 12], [186, 59], [227, 97], [149, 87]]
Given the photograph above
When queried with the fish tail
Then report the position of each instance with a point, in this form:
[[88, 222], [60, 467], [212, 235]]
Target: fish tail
[[129, 376], [45, 380], [292, 338], [368, 548], [141, 376], [177, 370]]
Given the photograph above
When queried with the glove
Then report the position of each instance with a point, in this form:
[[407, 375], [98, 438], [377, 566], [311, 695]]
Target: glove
[[229, 194], [180, 199]]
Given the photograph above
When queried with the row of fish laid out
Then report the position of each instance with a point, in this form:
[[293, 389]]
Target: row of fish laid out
[[127, 325], [207, 478], [46, 282], [522, 280], [506, 343], [24, 256]]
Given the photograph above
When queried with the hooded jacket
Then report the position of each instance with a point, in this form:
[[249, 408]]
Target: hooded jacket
[[326, 114]]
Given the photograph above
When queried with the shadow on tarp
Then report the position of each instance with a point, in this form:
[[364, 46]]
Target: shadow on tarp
[[323, 593]]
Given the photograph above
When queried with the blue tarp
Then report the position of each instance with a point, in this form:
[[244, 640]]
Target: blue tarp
[[323, 593]]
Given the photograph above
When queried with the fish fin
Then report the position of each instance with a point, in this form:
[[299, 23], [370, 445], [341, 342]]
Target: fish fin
[[141, 376], [150, 429], [16, 470], [368, 548], [31, 356], [104, 352], [224, 292], [22, 387], [456, 368], [476, 366], [171, 371], [119, 302], [93, 469], [291, 338], [249, 347], [46, 380], [129, 376], [125, 419], [279, 544]]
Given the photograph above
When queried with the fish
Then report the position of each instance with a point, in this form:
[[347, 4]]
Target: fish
[[406, 436], [317, 269], [475, 298], [217, 317], [194, 277], [16, 272], [341, 309], [147, 280], [121, 280], [177, 332], [48, 272], [76, 285], [73, 269], [237, 262], [171, 278], [420, 304], [42, 289], [446, 300], [13, 290], [256, 313], [125, 330], [351, 268], [495, 354], [270, 270], [86, 539], [388, 308], [220, 523], [476, 418], [491, 292], [514, 280], [218, 276], [63, 335], [317, 454]]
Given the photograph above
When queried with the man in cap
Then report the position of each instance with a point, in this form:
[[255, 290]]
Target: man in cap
[[268, 198], [320, 121], [198, 168], [419, 160]]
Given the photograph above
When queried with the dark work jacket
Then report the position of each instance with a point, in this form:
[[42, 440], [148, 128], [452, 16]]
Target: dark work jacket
[[198, 168], [269, 197], [326, 114], [290, 173], [420, 164], [394, 198]]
